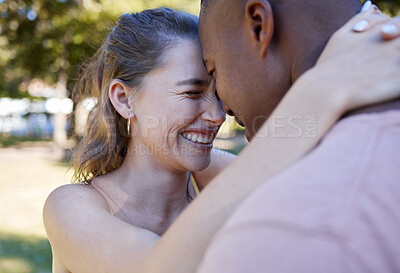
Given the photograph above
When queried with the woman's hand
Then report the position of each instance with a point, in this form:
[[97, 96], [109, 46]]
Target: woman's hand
[[390, 30], [363, 67]]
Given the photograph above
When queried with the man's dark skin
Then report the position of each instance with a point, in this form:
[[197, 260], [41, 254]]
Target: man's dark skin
[[257, 49]]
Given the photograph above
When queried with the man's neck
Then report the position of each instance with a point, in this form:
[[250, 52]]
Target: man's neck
[[306, 45]]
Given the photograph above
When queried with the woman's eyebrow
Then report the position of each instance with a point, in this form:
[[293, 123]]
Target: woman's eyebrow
[[193, 81]]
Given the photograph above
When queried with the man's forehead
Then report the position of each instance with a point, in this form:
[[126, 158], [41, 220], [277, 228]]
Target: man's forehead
[[204, 6], [212, 9], [207, 36], [204, 13], [221, 14], [207, 25]]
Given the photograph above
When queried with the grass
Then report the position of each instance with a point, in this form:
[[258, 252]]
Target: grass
[[28, 175], [8, 141], [24, 254]]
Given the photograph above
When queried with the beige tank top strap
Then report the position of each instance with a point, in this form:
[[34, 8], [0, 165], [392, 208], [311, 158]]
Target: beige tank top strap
[[112, 205], [194, 185]]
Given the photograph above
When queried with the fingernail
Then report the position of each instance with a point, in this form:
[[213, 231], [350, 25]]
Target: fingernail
[[390, 29], [376, 9], [366, 6], [360, 26]]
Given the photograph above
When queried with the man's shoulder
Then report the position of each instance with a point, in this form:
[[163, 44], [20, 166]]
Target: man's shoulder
[[336, 206], [385, 114], [359, 156]]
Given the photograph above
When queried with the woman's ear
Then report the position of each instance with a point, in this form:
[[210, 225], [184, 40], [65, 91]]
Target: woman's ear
[[259, 21], [119, 96]]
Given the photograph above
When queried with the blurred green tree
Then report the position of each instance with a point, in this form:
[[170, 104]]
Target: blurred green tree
[[48, 39], [45, 40], [391, 7]]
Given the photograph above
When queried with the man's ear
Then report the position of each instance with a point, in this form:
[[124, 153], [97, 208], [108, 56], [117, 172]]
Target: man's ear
[[260, 22], [119, 96]]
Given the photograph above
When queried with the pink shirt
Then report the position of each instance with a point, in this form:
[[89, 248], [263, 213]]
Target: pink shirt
[[337, 210]]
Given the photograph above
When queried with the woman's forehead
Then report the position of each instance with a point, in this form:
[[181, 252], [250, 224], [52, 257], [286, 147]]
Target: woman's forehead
[[184, 58]]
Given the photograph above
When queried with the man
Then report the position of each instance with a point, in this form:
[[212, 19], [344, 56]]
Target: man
[[336, 210]]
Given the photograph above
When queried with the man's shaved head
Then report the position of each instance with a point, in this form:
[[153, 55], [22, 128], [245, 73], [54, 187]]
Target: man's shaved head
[[258, 48], [231, 9]]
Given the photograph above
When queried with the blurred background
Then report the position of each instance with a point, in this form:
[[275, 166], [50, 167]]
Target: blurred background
[[42, 44]]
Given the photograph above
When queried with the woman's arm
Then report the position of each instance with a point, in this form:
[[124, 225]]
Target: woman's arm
[[365, 72], [57, 266], [86, 238], [219, 160]]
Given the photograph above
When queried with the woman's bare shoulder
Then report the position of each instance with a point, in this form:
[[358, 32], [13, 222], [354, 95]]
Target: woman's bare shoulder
[[67, 206], [74, 196], [71, 205], [76, 190], [82, 232]]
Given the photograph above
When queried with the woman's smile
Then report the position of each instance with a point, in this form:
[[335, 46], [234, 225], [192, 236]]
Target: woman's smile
[[200, 135], [198, 138]]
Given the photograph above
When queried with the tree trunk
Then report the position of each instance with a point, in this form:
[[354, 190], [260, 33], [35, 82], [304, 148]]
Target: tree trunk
[[60, 120]]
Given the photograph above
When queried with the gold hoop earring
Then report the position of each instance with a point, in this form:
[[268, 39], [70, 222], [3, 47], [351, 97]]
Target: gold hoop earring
[[128, 126]]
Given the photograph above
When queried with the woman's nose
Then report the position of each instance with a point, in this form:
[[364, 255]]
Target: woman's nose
[[215, 112]]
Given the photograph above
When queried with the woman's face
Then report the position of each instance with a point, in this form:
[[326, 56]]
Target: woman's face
[[177, 113]]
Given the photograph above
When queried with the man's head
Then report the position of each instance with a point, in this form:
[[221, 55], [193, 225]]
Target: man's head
[[258, 48]]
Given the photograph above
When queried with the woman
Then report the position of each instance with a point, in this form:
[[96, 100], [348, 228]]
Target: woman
[[156, 116]]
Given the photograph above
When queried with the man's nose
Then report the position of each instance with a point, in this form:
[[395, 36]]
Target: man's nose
[[229, 111]]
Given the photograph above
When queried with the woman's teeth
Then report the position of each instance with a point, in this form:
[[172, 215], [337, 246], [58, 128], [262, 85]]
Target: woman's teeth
[[199, 138]]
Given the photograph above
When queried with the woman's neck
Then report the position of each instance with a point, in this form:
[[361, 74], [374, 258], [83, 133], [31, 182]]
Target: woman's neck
[[151, 186]]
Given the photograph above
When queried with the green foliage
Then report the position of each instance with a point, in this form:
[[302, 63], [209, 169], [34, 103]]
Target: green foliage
[[391, 7], [45, 38]]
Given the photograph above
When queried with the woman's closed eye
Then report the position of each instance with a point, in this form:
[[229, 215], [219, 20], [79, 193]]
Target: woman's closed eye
[[193, 93]]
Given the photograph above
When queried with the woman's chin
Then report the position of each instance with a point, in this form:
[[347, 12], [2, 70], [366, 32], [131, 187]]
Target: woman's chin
[[196, 163], [192, 156]]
